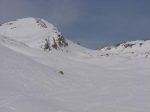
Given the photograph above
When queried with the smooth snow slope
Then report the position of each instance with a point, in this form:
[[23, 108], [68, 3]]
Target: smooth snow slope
[[23, 83], [92, 81]]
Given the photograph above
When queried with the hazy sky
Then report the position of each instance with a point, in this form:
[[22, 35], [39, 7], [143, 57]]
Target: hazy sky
[[93, 23]]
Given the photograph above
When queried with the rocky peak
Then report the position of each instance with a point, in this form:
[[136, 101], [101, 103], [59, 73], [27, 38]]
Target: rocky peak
[[34, 32]]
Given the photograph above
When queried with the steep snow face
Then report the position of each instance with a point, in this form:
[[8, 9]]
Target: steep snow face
[[34, 32]]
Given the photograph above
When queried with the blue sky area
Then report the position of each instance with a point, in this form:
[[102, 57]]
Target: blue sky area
[[93, 23]]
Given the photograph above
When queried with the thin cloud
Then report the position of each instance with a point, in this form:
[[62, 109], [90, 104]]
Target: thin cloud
[[13, 9], [59, 12], [64, 12]]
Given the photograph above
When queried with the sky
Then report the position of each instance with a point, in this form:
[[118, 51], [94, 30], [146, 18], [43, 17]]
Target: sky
[[92, 23]]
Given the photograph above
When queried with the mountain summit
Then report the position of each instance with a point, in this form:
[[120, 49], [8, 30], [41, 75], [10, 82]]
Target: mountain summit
[[34, 32]]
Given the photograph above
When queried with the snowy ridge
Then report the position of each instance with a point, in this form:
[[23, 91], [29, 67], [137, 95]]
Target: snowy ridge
[[133, 48], [34, 32]]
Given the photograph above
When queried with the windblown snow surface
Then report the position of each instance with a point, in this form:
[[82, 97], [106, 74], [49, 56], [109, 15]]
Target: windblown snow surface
[[73, 79]]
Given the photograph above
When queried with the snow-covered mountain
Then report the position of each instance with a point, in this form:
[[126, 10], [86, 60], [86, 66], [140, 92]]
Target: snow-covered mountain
[[130, 48], [69, 78], [34, 32]]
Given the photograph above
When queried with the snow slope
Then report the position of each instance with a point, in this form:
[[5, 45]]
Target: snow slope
[[34, 32], [30, 78], [131, 48], [22, 82]]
